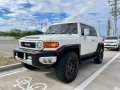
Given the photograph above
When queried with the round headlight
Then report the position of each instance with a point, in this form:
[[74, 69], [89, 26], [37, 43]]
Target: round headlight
[[39, 45]]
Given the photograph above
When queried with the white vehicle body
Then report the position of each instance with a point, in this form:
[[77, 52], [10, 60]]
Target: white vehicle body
[[91, 42]]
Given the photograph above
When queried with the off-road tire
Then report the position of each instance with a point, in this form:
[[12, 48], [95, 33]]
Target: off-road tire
[[67, 67], [118, 49], [99, 56]]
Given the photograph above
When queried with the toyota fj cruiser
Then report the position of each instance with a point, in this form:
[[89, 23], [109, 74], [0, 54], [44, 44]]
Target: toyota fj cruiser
[[63, 46]]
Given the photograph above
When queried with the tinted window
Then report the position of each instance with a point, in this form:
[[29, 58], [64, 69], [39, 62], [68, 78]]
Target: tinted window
[[70, 28], [93, 31], [83, 26], [111, 38]]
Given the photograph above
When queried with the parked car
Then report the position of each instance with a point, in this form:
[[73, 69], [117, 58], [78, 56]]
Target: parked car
[[112, 43], [63, 47]]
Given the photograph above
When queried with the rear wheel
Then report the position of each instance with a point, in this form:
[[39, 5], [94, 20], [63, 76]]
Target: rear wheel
[[107, 48], [30, 67], [118, 49], [99, 56], [67, 67]]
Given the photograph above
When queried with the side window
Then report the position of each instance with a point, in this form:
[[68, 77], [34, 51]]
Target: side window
[[83, 26], [73, 28], [93, 32]]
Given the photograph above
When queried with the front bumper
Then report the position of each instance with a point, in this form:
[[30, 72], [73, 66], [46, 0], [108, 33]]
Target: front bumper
[[35, 58], [110, 46]]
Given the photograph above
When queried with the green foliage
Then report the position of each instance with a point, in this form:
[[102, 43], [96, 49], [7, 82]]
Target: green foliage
[[17, 33]]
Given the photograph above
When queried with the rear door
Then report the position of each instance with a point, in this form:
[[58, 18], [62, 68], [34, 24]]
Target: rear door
[[94, 39], [86, 44]]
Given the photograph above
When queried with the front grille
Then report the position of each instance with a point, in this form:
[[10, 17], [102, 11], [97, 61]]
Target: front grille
[[110, 45], [28, 44], [108, 42]]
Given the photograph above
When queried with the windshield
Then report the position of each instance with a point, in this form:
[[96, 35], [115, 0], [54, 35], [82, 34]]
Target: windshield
[[113, 38], [70, 28]]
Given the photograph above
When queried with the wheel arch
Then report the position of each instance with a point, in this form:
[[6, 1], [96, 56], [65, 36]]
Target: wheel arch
[[100, 45], [66, 48]]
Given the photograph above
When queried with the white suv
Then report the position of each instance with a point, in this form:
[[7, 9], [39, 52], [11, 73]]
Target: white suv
[[63, 46], [112, 43]]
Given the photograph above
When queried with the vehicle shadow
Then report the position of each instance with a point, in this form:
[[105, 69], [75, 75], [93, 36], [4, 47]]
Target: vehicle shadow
[[50, 73], [86, 69], [110, 49]]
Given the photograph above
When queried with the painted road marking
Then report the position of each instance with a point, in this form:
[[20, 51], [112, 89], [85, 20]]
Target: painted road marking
[[83, 85], [12, 72], [24, 83], [9, 65], [116, 88]]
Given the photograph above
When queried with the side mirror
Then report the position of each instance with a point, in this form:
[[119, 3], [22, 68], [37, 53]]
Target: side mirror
[[86, 32]]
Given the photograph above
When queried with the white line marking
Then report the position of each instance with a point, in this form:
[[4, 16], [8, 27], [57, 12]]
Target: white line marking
[[12, 72], [9, 65], [83, 85], [116, 88]]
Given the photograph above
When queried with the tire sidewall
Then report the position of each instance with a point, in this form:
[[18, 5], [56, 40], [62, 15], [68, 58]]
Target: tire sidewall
[[99, 56], [118, 49], [61, 67], [76, 66]]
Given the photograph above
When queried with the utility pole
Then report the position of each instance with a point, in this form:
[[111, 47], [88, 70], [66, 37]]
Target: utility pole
[[115, 18], [99, 22], [114, 11]]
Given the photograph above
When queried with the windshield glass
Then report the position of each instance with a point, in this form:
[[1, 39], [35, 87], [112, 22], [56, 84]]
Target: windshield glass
[[70, 28], [109, 38]]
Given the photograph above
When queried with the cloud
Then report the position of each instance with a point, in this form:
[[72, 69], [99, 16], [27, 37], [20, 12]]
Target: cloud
[[29, 13]]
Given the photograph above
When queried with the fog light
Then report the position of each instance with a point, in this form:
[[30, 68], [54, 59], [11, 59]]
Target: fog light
[[47, 60]]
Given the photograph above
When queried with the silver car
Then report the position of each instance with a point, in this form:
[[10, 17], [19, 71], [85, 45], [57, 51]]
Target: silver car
[[112, 43]]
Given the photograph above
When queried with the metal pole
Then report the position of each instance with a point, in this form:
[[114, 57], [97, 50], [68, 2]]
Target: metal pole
[[108, 28], [99, 24], [41, 26], [115, 18]]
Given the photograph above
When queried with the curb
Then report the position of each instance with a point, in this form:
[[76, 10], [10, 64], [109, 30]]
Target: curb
[[10, 67]]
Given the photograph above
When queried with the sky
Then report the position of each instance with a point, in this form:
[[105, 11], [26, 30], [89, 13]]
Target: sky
[[28, 14]]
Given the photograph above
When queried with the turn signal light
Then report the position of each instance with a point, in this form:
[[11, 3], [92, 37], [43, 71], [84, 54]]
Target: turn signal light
[[51, 44]]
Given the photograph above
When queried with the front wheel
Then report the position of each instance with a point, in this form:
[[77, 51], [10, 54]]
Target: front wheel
[[30, 67], [67, 67], [99, 56]]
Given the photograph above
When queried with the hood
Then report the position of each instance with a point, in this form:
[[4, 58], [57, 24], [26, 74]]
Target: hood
[[49, 37]]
